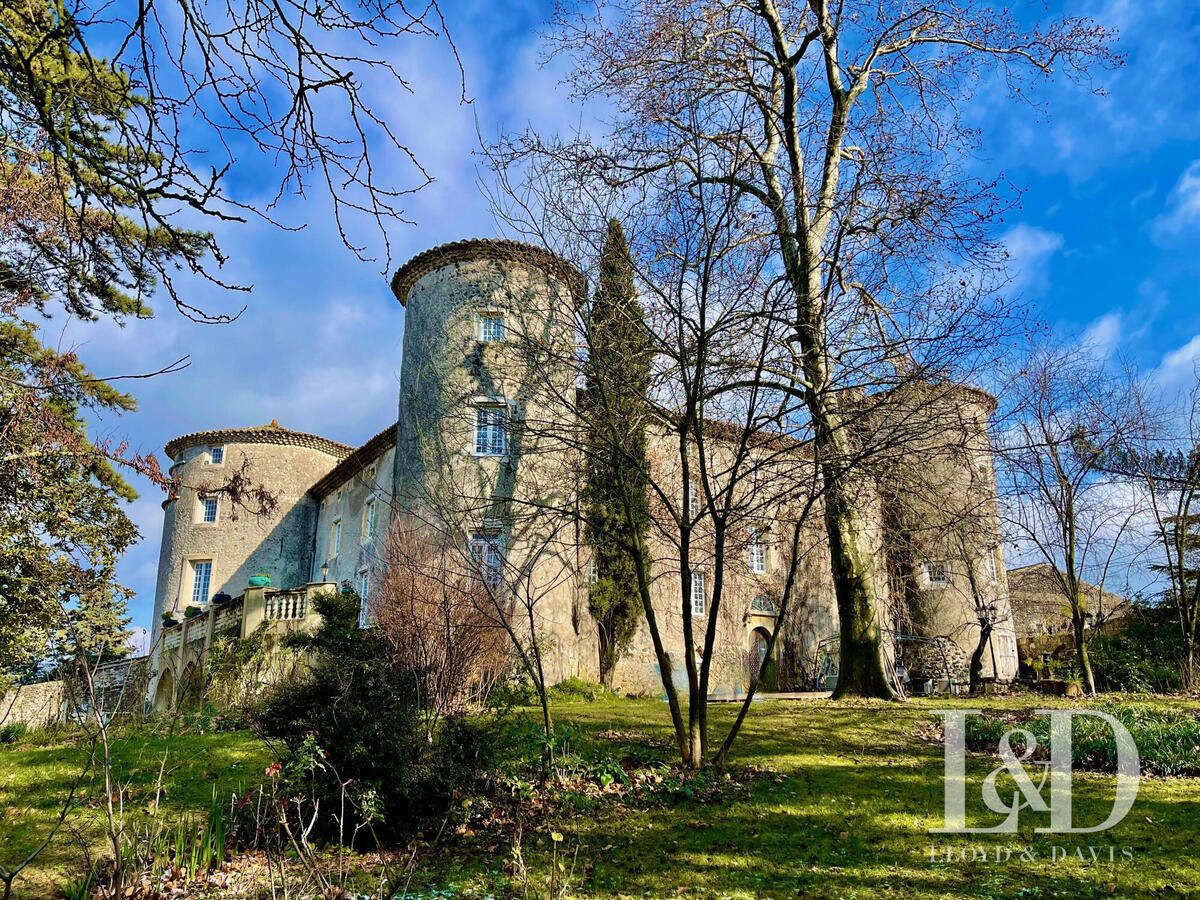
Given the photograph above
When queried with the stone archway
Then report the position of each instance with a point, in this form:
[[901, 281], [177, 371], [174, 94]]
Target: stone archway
[[759, 640], [164, 691]]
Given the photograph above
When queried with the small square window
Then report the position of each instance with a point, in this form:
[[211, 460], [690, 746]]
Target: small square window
[[936, 573], [490, 327], [209, 507], [216, 455]]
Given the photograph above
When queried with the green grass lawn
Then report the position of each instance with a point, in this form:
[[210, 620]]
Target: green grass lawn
[[36, 779], [838, 805]]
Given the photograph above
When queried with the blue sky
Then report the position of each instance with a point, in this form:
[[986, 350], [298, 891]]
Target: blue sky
[[1104, 243]]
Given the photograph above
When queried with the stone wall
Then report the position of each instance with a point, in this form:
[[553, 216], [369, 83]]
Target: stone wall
[[35, 705]]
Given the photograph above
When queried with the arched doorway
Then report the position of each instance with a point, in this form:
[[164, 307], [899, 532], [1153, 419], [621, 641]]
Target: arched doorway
[[760, 638], [164, 691]]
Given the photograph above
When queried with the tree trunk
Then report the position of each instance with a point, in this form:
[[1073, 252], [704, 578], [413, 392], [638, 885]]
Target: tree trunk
[[608, 658], [976, 671], [1081, 655], [860, 663]]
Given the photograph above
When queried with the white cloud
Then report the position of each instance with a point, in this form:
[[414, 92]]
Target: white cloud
[[1030, 249], [1103, 335], [1183, 205], [1178, 368]]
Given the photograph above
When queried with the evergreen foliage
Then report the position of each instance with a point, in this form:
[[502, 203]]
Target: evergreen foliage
[[353, 719], [615, 485]]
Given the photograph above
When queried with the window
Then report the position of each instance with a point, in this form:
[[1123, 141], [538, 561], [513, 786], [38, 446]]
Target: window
[[693, 498], [757, 552], [364, 587], [936, 574], [368, 521], [491, 438], [216, 455], [593, 572], [763, 605], [208, 509], [372, 472], [201, 576], [990, 564], [490, 327], [335, 538], [698, 599], [487, 555]]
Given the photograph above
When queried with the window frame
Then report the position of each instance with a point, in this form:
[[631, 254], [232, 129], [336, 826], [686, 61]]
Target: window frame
[[217, 450], [367, 523], [498, 414], [756, 552], [364, 587], [698, 609], [482, 319], [487, 552], [928, 568], [335, 538], [768, 607], [204, 508], [194, 567], [991, 566]]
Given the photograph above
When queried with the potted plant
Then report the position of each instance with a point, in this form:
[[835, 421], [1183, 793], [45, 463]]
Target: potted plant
[[169, 621], [191, 612], [262, 579], [221, 599]]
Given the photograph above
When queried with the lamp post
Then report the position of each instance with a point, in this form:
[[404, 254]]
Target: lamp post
[[324, 571]]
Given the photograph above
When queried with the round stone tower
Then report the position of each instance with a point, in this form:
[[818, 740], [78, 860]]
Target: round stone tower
[[487, 398], [210, 548], [488, 338], [945, 539]]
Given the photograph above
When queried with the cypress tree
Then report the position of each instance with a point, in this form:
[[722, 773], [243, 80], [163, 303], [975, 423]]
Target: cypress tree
[[615, 499]]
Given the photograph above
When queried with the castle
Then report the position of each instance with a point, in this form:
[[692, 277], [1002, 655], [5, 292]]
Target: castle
[[472, 379]]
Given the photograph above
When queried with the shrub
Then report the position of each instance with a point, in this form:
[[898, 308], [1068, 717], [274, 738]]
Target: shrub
[[574, 690], [1145, 655], [12, 732], [1168, 740], [354, 719]]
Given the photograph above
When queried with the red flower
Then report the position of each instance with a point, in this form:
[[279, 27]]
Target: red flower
[[273, 769]]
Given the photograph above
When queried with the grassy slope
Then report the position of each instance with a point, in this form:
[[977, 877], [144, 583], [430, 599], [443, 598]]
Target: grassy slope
[[854, 768], [35, 780]]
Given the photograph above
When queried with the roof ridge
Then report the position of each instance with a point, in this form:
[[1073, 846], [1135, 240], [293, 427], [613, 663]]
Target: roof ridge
[[355, 462]]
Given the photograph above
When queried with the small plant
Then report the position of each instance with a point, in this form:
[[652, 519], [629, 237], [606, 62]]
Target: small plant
[[13, 732], [191, 612], [80, 888]]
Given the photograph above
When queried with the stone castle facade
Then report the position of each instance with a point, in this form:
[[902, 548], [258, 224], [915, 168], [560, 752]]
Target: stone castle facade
[[480, 374]]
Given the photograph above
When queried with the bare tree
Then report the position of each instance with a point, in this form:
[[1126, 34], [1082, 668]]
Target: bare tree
[[1156, 450], [433, 613], [1061, 505], [839, 126]]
